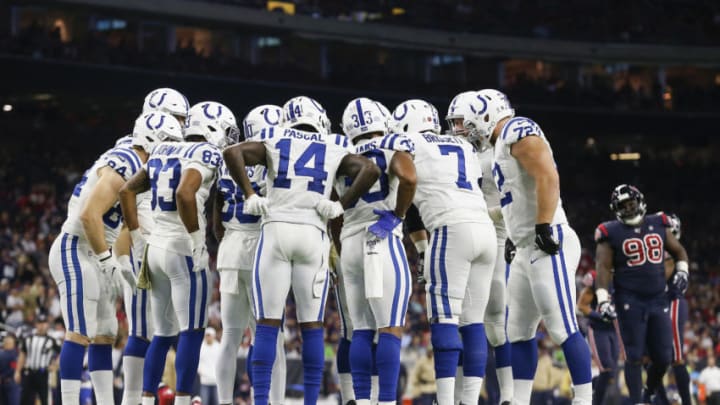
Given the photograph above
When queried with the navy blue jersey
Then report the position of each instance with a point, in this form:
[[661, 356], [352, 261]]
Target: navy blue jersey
[[638, 254]]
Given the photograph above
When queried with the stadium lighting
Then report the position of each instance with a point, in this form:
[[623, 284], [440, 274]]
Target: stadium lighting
[[7, 107], [625, 156]]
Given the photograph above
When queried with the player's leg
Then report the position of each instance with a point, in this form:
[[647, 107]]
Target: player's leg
[[659, 343], [100, 350], [605, 353], [633, 329], [477, 295], [137, 307], [311, 285], [66, 270], [495, 317], [447, 266], [235, 311], [343, 354], [555, 295], [271, 284], [522, 322], [164, 320], [278, 379], [389, 313], [678, 318]]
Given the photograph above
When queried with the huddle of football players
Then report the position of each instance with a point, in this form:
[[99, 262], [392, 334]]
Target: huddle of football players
[[481, 204]]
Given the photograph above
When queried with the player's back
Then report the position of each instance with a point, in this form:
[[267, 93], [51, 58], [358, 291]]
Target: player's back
[[301, 171], [383, 194], [518, 197], [638, 254], [232, 210], [126, 163], [165, 167], [448, 181]]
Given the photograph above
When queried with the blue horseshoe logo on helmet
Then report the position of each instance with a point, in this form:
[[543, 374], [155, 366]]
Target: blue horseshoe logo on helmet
[[484, 105], [276, 121], [159, 102], [207, 114], [317, 105], [405, 110], [150, 125]]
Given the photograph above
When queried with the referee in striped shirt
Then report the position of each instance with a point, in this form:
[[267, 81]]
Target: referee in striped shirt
[[37, 350]]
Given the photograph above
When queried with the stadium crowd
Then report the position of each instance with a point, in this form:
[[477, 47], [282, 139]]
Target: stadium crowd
[[38, 173]]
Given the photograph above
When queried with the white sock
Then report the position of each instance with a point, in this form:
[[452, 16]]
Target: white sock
[[70, 391], [522, 390], [458, 385], [133, 372], [445, 390], [505, 380], [148, 400], [182, 400], [346, 387], [225, 370], [278, 379], [362, 401], [374, 389], [102, 381], [583, 394], [471, 389], [387, 402]]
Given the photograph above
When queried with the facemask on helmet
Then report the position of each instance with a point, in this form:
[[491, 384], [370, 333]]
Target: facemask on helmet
[[155, 127], [628, 204], [214, 122]]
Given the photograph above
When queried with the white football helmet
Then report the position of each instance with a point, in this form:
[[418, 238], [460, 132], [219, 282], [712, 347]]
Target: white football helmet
[[168, 101], [155, 127], [496, 107], [386, 113], [415, 116], [304, 110], [260, 117], [468, 106], [363, 116], [213, 121]]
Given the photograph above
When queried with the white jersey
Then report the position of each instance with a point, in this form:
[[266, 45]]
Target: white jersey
[[233, 198], [125, 161], [448, 175], [301, 171], [383, 194], [517, 188], [167, 163], [490, 190]]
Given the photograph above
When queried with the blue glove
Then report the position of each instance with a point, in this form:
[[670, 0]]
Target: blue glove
[[385, 224], [680, 281]]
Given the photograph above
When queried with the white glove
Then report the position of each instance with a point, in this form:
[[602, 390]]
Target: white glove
[[138, 242], [126, 271], [255, 205], [109, 265], [329, 209], [199, 251]]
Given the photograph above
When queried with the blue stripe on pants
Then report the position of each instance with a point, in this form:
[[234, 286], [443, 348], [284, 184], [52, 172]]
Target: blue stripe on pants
[[143, 315], [558, 291], [568, 296], [324, 297], [193, 294], [396, 293], [79, 284], [68, 282], [443, 275], [203, 298], [133, 310], [256, 274], [433, 281], [408, 286]]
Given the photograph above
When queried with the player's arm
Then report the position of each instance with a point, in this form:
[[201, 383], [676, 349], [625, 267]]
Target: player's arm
[[364, 174], [535, 157], [190, 183], [102, 197], [244, 154], [603, 265], [678, 252], [218, 227], [585, 300], [402, 167], [137, 184]]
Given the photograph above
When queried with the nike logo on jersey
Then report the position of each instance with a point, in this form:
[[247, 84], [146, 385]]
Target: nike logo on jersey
[[534, 260]]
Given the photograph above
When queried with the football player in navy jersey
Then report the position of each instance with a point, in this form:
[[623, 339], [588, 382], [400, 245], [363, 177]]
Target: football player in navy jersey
[[630, 253]]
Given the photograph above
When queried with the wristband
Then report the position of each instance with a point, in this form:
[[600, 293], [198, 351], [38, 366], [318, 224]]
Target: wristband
[[602, 295], [421, 245], [104, 255], [197, 238], [682, 265]]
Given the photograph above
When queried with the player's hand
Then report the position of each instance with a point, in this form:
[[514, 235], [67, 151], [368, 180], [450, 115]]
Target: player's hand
[[108, 264], [545, 240], [420, 269], [200, 257], [138, 242], [607, 311], [510, 251], [384, 226], [255, 205], [126, 271], [329, 209], [680, 281]]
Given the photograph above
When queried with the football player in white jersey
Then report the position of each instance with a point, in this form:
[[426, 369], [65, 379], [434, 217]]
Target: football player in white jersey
[[467, 104], [303, 161], [461, 258], [376, 275], [83, 266], [542, 274], [180, 176], [238, 234], [137, 301]]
